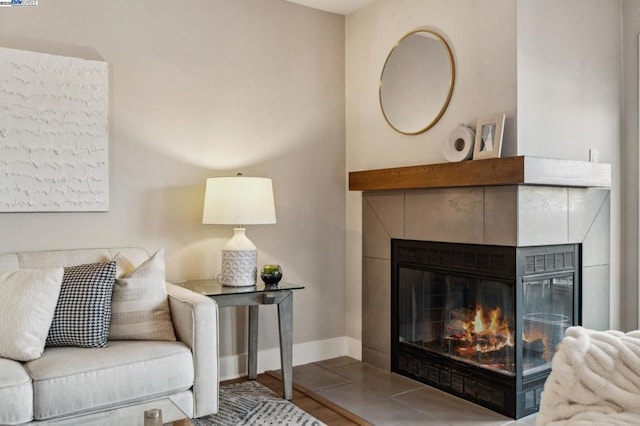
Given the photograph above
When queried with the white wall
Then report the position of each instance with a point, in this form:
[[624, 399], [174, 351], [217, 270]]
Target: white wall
[[199, 89], [629, 165], [569, 95], [482, 36], [557, 65]]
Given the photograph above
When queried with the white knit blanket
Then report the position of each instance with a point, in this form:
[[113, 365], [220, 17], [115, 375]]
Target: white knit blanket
[[594, 380]]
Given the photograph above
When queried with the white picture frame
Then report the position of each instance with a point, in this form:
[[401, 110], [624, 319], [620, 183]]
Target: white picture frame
[[488, 142]]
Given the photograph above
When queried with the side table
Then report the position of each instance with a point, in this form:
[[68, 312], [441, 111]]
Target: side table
[[252, 297]]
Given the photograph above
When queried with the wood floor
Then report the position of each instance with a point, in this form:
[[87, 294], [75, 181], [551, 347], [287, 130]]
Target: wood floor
[[320, 408]]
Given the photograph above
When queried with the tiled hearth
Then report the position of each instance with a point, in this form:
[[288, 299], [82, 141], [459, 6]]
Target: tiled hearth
[[511, 215], [387, 399]]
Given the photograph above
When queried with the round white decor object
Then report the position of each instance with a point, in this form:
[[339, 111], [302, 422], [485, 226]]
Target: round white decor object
[[459, 144]]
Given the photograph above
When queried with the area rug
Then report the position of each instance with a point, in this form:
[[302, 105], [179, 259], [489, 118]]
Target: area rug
[[250, 403]]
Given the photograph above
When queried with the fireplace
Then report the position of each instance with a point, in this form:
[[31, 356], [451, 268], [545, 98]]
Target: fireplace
[[482, 321], [515, 205]]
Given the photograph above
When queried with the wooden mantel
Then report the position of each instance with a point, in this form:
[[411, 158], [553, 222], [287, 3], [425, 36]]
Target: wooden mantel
[[496, 171]]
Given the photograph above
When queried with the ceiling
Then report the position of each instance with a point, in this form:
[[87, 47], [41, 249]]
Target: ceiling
[[342, 7]]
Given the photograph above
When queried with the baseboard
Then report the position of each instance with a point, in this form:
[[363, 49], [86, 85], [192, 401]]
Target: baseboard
[[354, 348], [235, 366]]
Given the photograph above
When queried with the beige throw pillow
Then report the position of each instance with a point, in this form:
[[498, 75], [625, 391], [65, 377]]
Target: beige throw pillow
[[139, 305], [28, 299]]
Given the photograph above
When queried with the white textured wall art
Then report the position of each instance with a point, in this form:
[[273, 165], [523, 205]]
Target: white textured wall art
[[53, 133]]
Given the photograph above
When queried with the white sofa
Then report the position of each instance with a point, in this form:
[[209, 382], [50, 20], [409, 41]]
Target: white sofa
[[116, 384]]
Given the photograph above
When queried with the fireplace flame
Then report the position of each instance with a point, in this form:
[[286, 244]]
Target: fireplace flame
[[534, 334], [478, 327], [478, 332], [486, 332]]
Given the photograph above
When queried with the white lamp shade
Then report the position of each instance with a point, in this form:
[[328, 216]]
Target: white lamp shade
[[239, 200]]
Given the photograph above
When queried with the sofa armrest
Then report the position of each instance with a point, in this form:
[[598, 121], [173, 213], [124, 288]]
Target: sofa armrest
[[195, 320]]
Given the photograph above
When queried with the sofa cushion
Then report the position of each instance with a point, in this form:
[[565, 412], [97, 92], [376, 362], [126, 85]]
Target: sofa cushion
[[139, 305], [16, 393], [68, 380], [83, 312], [27, 301]]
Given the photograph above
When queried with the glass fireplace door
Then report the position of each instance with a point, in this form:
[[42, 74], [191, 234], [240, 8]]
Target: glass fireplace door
[[421, 304], [548, 312], [460, 317], [481, 322]]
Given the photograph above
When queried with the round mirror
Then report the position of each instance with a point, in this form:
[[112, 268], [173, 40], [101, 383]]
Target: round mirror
[[417, 82]]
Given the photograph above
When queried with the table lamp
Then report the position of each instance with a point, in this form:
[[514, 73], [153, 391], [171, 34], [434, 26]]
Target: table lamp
[[239, 201]]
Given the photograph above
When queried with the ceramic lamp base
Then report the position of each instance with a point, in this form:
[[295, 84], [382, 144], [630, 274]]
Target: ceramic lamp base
[[239, 261], [239, 268]]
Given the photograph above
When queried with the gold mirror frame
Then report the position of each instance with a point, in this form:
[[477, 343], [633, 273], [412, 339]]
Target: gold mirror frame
[[452, 79]]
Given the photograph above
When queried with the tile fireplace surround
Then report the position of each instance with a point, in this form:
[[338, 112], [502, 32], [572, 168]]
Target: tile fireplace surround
[[516, 201]]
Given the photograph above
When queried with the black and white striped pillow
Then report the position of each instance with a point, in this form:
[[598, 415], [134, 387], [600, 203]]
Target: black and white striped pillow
[[83, 311]]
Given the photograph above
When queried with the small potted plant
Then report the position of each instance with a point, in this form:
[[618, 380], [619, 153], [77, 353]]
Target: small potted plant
[[271, 274]]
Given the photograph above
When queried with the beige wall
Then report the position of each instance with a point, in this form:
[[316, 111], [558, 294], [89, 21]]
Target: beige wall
[[482, 37], [548, 64], [629, 165], [207, 88], [570, 99]]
